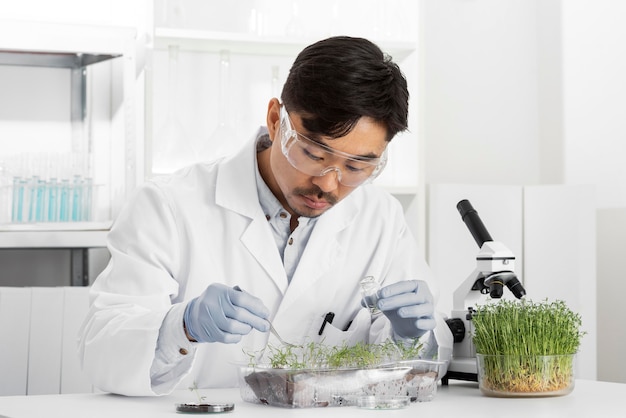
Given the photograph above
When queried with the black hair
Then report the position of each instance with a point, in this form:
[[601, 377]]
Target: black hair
[[336, 81]]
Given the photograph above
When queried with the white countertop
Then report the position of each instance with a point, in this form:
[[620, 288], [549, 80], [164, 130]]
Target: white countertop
[[460, 399]]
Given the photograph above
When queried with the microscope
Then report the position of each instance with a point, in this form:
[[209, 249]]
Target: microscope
[[495, 268]]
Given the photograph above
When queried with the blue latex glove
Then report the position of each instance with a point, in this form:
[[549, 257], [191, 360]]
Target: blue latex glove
[[409, 306], [223, 314]]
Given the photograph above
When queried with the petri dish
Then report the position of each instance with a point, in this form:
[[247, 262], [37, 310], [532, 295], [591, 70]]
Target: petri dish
[[383, 402], [204, 408]]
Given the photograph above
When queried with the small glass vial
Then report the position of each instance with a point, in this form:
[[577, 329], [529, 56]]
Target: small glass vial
[[369, 291]]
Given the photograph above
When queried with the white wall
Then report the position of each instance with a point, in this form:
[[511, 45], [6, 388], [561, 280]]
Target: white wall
[[594, 97], [534, 92], [594, 109], [480, 91]]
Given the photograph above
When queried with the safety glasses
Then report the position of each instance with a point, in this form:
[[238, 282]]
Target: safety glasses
[[316, 159]]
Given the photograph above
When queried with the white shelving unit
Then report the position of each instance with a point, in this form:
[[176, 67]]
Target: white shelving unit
[[250, 44], [76, 47]]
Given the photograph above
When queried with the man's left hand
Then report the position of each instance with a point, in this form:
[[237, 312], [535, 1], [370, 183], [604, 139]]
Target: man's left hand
[[409, 306]]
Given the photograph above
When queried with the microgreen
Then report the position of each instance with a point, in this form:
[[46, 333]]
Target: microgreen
[[525, 346], [194, 389], [315, 355], [526, 328]]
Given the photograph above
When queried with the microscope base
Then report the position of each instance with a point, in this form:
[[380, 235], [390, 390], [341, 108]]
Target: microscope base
[[461, 369]]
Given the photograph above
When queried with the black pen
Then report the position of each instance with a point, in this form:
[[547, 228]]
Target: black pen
[[328, 319]]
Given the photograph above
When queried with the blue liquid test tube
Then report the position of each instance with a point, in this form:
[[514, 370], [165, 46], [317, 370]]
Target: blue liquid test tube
[[53, 200], [40, 204], [77, 199], [87, 198], [64, 200], [18, 200], [32, 198]]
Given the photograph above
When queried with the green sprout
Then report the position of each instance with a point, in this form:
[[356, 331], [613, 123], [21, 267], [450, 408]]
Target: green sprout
[[316, 355], [194, 389]]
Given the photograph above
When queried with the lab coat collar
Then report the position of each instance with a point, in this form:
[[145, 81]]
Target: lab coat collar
[[237, 173], [236, 190]]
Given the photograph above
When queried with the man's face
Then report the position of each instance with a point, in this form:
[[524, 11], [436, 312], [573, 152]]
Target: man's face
[[311, 195]]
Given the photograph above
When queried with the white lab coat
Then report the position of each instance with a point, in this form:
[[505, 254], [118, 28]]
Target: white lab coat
[[204, 225]]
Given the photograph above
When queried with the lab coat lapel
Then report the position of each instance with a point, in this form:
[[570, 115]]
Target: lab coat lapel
[[236, 190], [321, 254], [259, 241]]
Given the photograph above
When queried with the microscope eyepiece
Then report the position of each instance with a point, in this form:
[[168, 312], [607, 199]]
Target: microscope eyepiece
[[473, 222]]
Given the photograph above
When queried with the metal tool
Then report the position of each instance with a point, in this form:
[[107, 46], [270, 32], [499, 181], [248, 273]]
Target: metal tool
[[278, 337], [495, 268], [272, 329]]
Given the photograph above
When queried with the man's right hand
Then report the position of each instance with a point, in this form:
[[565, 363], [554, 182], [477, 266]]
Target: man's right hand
[[223, 314]]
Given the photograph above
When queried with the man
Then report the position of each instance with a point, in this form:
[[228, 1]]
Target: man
[[282, 231]]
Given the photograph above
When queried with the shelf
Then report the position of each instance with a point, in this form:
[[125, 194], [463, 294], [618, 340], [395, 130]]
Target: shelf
[[54, 37], [242, 43], [54, 235], [60, 45], [52, 59]]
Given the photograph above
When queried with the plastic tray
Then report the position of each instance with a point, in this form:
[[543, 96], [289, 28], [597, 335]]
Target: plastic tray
[[416, 380]]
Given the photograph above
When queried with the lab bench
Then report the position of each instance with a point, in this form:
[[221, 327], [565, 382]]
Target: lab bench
[[463, 399]]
